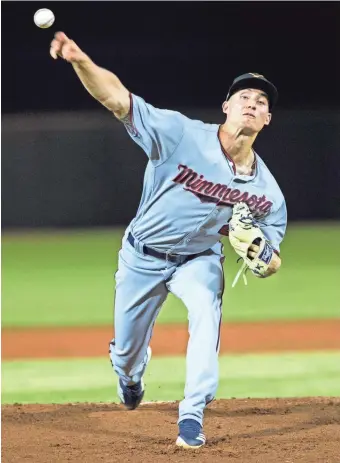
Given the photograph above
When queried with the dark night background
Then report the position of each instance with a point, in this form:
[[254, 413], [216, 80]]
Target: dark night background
[[65, 161]]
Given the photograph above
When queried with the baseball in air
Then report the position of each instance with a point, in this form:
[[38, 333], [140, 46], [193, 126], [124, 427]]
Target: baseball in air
[[44, 18]]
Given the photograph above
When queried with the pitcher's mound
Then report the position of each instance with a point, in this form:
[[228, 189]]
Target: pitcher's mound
[[262, 430]]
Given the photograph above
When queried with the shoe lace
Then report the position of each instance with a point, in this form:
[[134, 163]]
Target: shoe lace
[[190, 427], [133, 390]]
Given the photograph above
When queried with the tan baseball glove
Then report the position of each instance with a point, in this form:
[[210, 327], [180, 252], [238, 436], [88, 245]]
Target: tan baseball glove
[[243, 232]]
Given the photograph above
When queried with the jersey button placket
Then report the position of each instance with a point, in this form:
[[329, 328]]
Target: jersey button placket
[[212, 214], [215, 212]]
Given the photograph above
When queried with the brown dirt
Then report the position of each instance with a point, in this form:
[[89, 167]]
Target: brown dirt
[[172, 340], [250, 431]]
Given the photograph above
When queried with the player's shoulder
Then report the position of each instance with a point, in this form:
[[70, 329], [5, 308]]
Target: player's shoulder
[[197, 125], [204, 126], [193, 126], [188, 122]]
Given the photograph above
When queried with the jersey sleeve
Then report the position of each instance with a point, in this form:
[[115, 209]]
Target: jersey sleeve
[[157, 131], [274, 226]]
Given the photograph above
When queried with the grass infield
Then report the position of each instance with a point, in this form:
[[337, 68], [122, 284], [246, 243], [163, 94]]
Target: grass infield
[[67, 279], [241, 376]]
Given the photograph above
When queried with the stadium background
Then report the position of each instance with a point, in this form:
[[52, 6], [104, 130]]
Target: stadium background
[[72, 178]]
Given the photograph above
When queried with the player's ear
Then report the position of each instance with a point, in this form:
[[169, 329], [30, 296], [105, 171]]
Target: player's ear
[[268, 119], [225, 107]]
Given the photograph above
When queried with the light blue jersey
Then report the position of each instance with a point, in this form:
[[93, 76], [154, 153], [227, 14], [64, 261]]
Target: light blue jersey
[[190, 186]]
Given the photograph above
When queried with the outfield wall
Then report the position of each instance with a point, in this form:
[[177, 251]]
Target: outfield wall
[[82, 169]]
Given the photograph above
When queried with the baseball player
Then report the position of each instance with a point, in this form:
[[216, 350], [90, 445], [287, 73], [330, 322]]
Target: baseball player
[[202, 182]]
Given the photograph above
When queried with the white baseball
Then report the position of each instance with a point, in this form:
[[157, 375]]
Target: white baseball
[[44, 18]]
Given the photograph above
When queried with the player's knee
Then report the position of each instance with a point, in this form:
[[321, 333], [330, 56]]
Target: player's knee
[[205, 301]]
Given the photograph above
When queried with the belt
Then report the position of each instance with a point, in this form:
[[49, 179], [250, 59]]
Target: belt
[[176, 258]]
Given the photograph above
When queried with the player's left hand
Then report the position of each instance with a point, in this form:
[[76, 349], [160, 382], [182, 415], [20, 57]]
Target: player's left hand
[[243, 234], [253, 250], [243, 231]]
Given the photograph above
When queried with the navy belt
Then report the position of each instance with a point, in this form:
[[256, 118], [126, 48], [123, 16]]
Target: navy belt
[[176, 258]]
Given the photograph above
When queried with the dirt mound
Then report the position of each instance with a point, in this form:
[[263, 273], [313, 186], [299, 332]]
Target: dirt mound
[[282, 430]]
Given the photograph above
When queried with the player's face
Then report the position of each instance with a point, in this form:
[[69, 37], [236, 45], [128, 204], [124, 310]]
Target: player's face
[[249, 109]]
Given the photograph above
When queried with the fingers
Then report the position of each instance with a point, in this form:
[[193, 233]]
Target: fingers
[[53, 53], [254, 247], [55, 48], [253, 250], [58, 44], [61, 37], [69, 51]]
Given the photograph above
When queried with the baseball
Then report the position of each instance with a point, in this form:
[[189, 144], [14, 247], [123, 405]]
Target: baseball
[[44, 18]]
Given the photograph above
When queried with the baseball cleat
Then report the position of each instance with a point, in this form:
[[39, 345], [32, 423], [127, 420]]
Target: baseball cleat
[[131, 396], [190, 435]]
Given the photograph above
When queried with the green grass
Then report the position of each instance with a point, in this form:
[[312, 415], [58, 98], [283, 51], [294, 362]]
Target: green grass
[[68, 279], [246, 375]]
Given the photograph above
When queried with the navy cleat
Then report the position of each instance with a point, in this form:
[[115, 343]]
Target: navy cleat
[[131, 396], [190, 435]]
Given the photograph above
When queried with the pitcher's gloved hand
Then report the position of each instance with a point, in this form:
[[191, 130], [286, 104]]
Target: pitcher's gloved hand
[[248, 240]]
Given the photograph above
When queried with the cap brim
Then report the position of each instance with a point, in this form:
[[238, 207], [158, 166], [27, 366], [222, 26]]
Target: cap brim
[[252, 82]]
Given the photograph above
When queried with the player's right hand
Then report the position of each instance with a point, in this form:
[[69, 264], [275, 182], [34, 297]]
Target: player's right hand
[[66, 48]]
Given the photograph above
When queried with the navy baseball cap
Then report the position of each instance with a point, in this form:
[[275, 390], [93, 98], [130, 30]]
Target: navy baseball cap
[[258, 81]]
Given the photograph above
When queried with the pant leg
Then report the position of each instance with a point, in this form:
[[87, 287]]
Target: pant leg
[[199, 284], [140, 293]]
